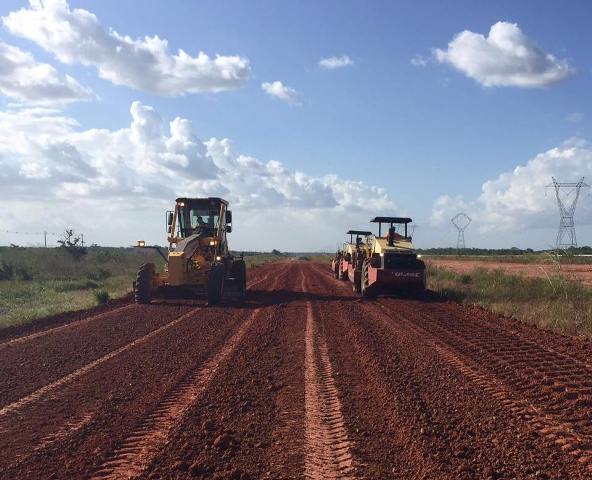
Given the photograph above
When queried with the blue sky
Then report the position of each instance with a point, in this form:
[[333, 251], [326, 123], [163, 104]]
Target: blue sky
[[418, 132]]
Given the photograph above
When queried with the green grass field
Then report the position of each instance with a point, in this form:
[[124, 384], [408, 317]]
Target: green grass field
[[553, 303], [37, 282], [530, 258]]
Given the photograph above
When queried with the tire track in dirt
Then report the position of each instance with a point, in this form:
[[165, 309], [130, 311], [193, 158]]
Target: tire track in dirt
[[249, 423], [516, 448], [80, 422], [27, 338], [48, 388], [45, 390], [504, 380], [29, 363], [389, 436], [140, 448], [118, 396], [328, 448]]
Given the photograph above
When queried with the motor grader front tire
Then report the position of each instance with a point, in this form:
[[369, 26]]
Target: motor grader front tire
[[143, 293], [215, 284]]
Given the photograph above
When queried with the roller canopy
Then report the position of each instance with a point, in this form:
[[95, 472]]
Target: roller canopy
[[358, 232], [202, 199], [403, 220]]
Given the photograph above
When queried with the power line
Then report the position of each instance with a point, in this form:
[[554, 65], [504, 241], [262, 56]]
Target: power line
[[29, 233]]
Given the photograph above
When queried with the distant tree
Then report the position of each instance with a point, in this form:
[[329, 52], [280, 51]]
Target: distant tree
[[72, 244], [276, 252]]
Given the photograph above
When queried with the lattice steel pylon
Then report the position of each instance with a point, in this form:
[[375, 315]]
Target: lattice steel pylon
[[566, 235], [461, 221]]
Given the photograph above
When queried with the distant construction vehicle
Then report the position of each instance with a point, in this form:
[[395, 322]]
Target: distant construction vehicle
[[392, 264], [198, 259], [348, 262], [382, 264]]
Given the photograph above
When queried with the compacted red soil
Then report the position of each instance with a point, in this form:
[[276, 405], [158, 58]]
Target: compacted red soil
[[302, 379]]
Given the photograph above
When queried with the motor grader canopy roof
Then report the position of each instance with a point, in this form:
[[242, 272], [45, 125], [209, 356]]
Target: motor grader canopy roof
[[402, 220]]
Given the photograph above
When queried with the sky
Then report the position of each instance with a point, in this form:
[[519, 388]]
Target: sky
[[309, 117]]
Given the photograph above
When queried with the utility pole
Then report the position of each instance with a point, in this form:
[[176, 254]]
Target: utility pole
[[566, 235], [45, 238], [82, 238]]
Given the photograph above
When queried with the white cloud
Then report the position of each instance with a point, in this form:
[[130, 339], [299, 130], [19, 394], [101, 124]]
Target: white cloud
[[331, 63], [76, 36], [574, 117], [519, 200], [115, 184], [33, 83], [420, 61], [506, 57], [446, 207], [278, 90]]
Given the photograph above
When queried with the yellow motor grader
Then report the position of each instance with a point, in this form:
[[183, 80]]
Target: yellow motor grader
[[198, 258]]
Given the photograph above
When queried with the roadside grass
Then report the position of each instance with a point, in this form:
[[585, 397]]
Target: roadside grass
[[38, 282], [553, 302], [24, 301], [253, 260], [324, 258], [528, 258]]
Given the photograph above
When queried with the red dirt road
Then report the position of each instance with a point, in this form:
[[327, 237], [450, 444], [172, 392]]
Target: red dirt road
[[302, 380], [578, 272]]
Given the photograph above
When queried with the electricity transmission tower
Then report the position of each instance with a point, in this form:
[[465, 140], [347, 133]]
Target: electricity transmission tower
[[461, 221], [567, 194]]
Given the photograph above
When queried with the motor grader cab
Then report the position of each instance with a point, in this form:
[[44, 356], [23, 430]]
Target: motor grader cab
[[391, 264], [198, 258]]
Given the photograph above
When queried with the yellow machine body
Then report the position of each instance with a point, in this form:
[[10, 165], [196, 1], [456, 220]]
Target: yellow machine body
[[197, 254]]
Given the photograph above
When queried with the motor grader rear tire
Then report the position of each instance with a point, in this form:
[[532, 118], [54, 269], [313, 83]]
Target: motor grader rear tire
[[143, 292], [215, 284], [239, 273]]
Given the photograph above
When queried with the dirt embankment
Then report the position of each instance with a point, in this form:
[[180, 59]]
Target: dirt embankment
[[302, 380]]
